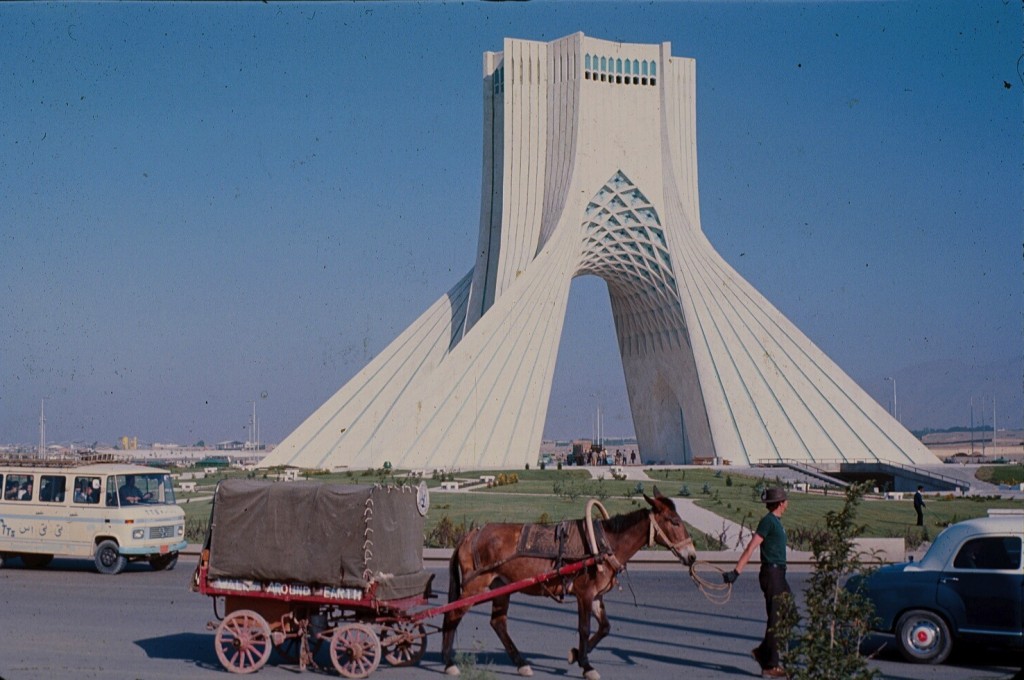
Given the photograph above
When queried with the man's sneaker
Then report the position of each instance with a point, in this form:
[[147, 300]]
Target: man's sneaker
[[775, 672]]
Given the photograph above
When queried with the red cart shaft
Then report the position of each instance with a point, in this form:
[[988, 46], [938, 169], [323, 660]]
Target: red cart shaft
[[513, 587]]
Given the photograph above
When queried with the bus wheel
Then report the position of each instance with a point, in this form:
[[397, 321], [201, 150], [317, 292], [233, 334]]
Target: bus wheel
[[162, 562], [108, 559], [36, 561]]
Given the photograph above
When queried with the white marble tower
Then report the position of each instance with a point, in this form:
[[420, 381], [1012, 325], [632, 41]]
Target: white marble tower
[[590, 167]]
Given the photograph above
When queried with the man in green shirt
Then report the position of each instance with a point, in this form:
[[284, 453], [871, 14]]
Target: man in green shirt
[[770, 536]]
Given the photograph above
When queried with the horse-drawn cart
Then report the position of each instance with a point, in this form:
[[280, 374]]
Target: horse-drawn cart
[[302, 565], [299, 566]]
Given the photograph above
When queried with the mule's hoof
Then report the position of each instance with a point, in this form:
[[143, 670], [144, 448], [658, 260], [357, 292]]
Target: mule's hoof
[[526, 671], [573, 655], [592, 675], [452, 670]]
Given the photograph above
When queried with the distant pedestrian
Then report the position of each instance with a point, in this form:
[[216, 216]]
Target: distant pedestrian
[[771, 537], [919, 505], [632, 457]]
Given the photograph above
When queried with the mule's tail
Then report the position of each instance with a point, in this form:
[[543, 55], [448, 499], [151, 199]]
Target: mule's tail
[[455, 576]]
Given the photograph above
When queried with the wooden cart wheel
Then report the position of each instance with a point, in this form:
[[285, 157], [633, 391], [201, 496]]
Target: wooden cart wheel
[[404, 642], [355, 650], [243, 641]]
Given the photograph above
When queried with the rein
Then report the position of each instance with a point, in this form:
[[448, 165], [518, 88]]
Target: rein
[[716, 592]]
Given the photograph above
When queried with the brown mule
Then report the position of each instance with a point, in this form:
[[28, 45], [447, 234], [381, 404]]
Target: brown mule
[[489, 557]]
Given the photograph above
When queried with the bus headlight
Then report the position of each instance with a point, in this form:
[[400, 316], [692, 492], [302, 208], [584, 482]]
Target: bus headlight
[[181, 529], [138, 534]]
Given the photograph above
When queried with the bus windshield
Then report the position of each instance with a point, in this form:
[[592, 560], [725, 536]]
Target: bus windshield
[[152, 488]]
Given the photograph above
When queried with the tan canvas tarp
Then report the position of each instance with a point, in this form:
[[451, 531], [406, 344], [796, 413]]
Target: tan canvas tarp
[[320, 534]]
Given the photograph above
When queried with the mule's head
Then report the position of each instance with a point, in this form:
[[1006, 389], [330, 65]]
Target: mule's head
[[668, 530]]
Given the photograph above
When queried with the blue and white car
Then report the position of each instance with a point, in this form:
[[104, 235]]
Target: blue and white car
[[968, 587]]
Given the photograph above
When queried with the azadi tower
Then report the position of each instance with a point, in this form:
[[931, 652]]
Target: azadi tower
[[590, 167]]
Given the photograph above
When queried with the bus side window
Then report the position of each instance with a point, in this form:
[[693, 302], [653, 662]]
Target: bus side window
[[52, 488], [87, 490], [19, 488]]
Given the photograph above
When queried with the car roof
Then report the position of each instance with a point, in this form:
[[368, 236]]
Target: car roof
[[953, 536]]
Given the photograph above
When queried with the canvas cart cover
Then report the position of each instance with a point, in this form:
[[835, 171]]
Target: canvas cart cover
[[322, 534]]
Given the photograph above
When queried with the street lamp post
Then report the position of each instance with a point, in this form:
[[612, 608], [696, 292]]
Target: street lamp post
[[253, 429], [893, 380]]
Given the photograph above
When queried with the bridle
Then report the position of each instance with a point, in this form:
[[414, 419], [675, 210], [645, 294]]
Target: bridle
[[716, 592], [656, 530]]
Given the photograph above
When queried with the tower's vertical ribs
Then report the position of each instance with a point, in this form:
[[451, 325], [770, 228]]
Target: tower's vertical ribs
[[793, 344], [518, 307], [312, 436], [757, 358], [532, 360], [723, 413], [389, 382], [775, 352], [734, 372]]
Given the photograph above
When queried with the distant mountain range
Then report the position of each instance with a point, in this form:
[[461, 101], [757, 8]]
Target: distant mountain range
[[940, 395]]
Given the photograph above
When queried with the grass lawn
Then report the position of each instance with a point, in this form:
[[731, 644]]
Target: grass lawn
[[740, 502], [1002, 474], [553, 495]]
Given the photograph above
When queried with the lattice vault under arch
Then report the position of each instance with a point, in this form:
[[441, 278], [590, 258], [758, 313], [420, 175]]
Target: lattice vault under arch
[[593, 171]]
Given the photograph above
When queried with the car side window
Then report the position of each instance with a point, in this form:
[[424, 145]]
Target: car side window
[[989, 552]]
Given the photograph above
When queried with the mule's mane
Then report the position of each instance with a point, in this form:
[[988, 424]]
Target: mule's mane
[[618, 524]]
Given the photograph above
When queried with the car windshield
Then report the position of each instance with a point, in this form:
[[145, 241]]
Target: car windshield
[[151, 488]]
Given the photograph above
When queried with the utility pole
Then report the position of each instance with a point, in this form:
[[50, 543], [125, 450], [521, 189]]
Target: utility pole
[[252, 427], [972, 426], [42, 428], [993, 424]]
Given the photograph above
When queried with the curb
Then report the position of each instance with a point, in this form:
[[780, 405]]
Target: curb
[[650, 559]]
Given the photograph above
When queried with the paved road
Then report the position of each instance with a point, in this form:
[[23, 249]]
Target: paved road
[[67, 621]]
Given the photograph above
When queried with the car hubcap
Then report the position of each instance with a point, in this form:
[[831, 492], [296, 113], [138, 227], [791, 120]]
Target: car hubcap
[[923, 636]]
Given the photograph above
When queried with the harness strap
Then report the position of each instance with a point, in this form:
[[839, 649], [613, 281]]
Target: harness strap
[[595, 536]]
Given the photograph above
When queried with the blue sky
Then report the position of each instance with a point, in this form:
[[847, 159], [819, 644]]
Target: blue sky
[[205, 205]]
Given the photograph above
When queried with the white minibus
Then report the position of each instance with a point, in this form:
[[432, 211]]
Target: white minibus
[[91, 507]]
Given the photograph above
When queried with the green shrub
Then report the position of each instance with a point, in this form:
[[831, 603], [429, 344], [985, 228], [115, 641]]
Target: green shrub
[[828, 646], [446, 533]]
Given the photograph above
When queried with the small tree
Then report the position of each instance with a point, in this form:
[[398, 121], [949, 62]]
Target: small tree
[[828, 647]]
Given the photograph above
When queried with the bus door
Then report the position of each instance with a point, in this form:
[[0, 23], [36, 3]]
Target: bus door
[[86, 512]]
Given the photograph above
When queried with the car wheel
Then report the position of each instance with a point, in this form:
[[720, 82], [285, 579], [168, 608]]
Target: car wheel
[[109, 559], [923, 637]]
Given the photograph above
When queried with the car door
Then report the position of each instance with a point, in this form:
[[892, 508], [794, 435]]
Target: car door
[[983, 588]]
